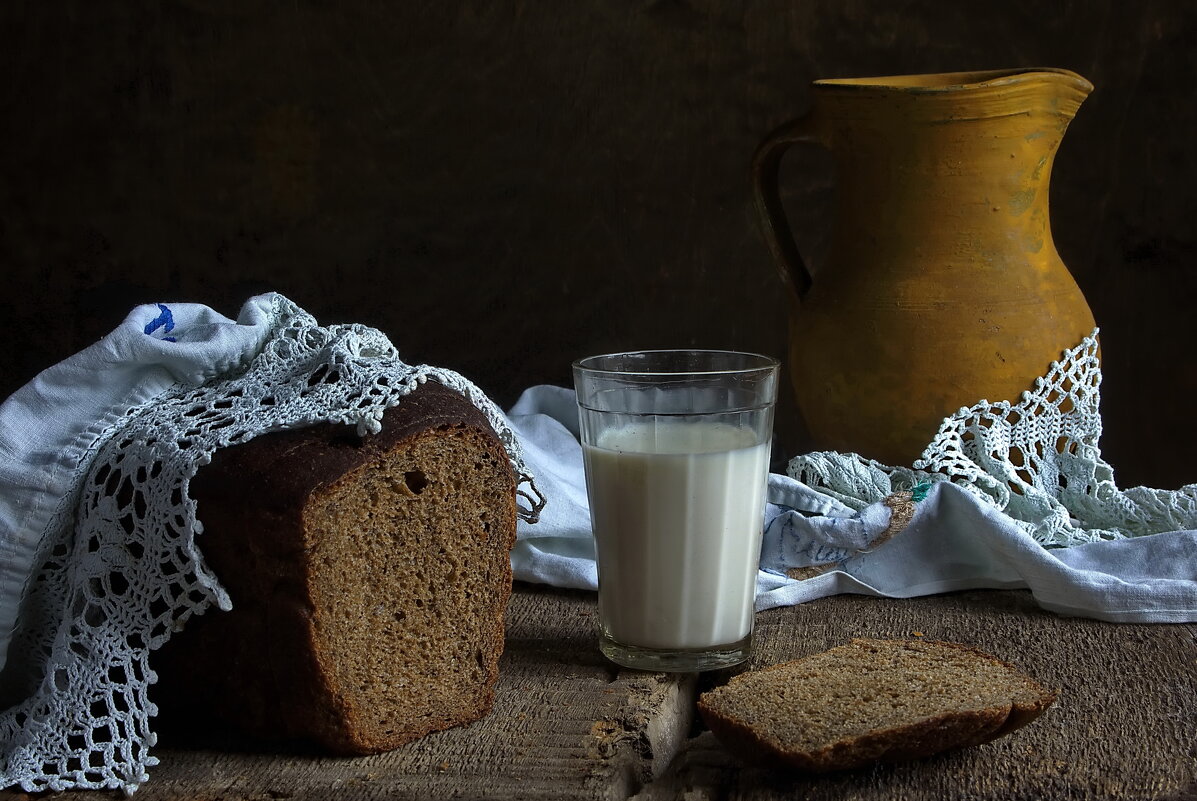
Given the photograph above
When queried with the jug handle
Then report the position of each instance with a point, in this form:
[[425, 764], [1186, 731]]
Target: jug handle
[[765, 167]]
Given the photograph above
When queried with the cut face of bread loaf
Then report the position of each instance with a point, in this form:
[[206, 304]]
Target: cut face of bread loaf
[[369, 579], [871, 700]]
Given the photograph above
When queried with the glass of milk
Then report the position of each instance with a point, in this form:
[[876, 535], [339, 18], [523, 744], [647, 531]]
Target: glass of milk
[[676, 447]]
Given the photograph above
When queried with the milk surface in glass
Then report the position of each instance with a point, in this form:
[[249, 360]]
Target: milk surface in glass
[[677, 510]]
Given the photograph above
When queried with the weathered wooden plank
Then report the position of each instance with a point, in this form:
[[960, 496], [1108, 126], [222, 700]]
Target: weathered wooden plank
[[504, 187], [1124, 727], [566, 724]]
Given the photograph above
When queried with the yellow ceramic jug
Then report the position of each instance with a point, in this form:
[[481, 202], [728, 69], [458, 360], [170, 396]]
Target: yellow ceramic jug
[[942, 286]]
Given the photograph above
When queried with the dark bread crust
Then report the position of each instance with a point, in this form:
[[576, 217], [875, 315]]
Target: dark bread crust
[[919, 737], [274, 666]]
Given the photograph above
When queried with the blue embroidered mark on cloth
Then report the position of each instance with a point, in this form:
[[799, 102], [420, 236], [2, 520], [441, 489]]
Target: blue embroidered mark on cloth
[[165, 320]]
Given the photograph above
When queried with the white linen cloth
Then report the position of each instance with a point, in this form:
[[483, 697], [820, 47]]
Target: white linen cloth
[[51, 427], [955, 541], [274, 367], [98, 533]]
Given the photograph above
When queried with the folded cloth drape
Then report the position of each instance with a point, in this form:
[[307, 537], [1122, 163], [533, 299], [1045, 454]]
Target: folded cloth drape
[[98, 535], [953, 541], [50, 427]]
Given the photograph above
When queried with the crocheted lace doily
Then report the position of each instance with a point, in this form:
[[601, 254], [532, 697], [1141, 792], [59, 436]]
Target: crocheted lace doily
[[1037, 461], [116, 585]]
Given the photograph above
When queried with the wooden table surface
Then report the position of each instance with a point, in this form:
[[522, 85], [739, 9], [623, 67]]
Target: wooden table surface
[[567, 724]]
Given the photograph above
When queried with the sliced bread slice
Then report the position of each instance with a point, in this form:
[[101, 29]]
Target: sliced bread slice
[[871, 700]]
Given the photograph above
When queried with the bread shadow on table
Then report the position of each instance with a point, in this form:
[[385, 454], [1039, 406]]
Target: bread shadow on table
[[180, 728], [705, 762], [550, 628], [528, 655], [181, 732]]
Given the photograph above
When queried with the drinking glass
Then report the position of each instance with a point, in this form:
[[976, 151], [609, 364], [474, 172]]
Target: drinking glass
[[676, 447]]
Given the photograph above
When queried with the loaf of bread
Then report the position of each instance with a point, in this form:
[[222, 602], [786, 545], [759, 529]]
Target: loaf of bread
[[871, 700], [369, 578]]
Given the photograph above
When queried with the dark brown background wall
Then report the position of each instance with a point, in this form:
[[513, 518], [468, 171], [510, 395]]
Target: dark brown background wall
[[504, 186]]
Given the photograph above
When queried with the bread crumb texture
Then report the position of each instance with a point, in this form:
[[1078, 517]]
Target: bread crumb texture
[[369, 579], [871, 700], [410, 577]]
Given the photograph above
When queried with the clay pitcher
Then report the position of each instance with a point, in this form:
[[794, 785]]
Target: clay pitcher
[[942, 286]]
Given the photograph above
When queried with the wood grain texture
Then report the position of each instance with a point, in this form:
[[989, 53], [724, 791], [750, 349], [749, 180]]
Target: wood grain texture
[[567, 724], [1123, 727], [504, 187]]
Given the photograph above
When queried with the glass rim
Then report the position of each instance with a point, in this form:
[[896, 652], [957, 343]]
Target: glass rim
[[766, 363]]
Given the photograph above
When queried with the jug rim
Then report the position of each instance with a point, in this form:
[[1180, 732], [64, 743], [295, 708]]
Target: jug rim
[[944, 82]]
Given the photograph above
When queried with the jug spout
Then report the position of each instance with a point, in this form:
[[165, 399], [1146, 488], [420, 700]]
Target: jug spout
[[955, 96], [958, 81]]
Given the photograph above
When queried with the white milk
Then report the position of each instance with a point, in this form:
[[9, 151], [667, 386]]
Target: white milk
[[677, 510]]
